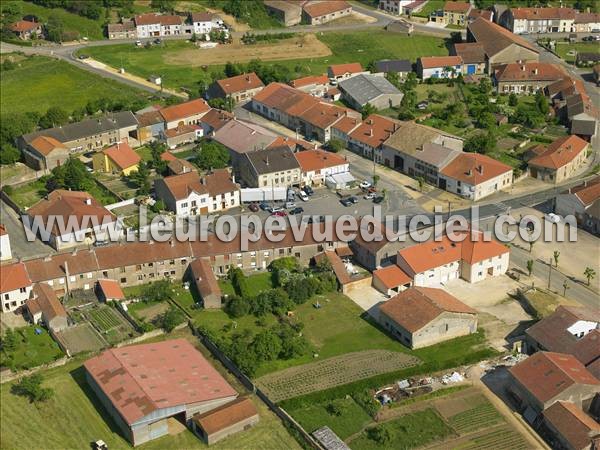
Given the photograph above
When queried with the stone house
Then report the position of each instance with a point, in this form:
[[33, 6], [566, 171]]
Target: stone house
[[560, 160], [203, 277], [15, 286], [526, 78], [320, 12], [25, 29], [239, 88], [187, 113], [541, 20], [273, 167], [45, 307], [45, 153], [583, 202]]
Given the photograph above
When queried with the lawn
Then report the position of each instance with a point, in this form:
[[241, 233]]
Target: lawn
[[567, 51], [409, 431], [358, 46], [256, 283], [351, 419], [74, 417], [37, 82], [31, 349]]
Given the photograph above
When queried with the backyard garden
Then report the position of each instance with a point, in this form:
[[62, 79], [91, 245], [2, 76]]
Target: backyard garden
[[27, 347]]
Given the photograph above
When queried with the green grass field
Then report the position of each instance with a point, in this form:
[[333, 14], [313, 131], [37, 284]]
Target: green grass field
[[31, 350], [359, 46], [39, 82], [409, 431], [567, 51], [74, 417], [256, 283]]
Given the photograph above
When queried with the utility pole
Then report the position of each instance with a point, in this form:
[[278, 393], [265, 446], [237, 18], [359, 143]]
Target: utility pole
[[549, 273]]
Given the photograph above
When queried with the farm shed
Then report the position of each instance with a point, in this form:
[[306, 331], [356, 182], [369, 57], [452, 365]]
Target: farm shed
[[212, 426]]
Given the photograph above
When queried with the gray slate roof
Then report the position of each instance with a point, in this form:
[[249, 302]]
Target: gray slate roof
[[393, 65], [87, 127], [584, 125], [364, 88], [272, 160]]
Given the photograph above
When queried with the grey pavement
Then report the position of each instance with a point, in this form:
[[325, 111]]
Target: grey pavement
[[20, 246]]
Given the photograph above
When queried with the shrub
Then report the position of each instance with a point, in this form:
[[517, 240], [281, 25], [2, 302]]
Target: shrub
[[237, 307], [31, 387]]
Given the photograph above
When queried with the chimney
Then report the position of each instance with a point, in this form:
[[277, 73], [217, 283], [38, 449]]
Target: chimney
[[370, 131], [203, 181], [267, 160], [480, 168], [469, 172], [523, 68], [88, 201], [535, 71]]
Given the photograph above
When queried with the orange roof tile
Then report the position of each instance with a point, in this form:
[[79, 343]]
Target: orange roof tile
[[374, 130], [474, 168], [311, 79], [206, 282], [216, 118], [325, 7], [46, 145], [240, 83], [111, 289], [347, 124], [181, 130], [589, 192], [457, 6], [340, 69], [427, 255], [560, 152], [184, 110], [24, 25], [392, 276], [13, 277], [316, 160], [430, 62], [545, 374], [323, 115], [218, 182], [575, 426], [3, 230], [416, 307], [531, 71], [167, 156], [46, 302], [226, 416], [542, 13], [122, 155], [474, 250]]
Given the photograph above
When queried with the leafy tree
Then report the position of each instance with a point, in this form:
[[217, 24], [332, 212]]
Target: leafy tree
[[241, 352], [380, 434], [212, 155], [8, 342], [226, 104], [301, 288], [590, 274], [9, 154], [336, 407], [171, 318], [232, 70], [409, 100], [163, 5], [239, 282], [142, 178], [31, 387], [157, 291], [335, 145], [237, 307], [266, 346], [292, 344], [367, 110], [71, 175], [513, 100], [393, 78], [421, 182], [456, 37], [54, 28], [410, 83], [54, 117], [565, 287], [480, 143], [530, 266]]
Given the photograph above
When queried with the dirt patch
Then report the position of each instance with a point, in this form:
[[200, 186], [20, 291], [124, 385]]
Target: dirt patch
[[148, 314], [298, 47], [354, 18], [331, 372], [458, 404], [81, 338]]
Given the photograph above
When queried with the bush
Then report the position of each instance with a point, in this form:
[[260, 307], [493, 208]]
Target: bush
[[367, 402], [170, 319], [239, 282], [237, 307], [31, 387]]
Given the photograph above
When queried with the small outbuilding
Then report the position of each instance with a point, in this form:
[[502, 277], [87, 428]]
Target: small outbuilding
[[109, 290], [212, 426]]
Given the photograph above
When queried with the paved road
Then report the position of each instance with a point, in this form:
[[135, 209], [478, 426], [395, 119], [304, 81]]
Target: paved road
[[20, 246]]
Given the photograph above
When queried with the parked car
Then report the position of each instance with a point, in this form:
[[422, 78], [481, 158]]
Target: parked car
[[275, 209], [378, 200], [138, 43], [297, 210], [365, 184], [83, 56], [346, 202], [253, 207], [279, 213], [308, 190], [303, 196], [291, 195], [264, 206], [290, 205], [370, 196], [353, 199]]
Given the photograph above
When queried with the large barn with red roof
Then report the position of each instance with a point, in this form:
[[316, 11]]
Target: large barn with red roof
[[145, 387]]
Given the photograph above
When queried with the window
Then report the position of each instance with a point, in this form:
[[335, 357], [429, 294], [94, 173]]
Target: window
[[6, 297], [123, 280], [23, 290]]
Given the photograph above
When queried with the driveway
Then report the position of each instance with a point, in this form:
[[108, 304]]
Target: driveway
[[20, 246], [369, 299]]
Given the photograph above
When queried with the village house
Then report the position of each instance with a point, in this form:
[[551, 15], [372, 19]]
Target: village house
[[574, 330], [219, 423], [586, 22], [573, 428], [45, 153], [390, 280], [274, 167], [339, 72], [453, 13], [315, 123], [342, 128], [541, 20], [45, 307], [204, 22], [87, 135], [214, 120], [401, 67], [15, 286], [287, 12], [473, 57], [318, 12], [157, 25], [500, 45], [207, 287], [151, 125], [474, 14], [475, 176], [187, 113], [282, 104], [109, 291], [526, 78], [25, 29], [239, 88], [582, 201], [182, 134], [126, 29], [547, 377], [178, 166], [560, 160], [439, 67], [5, 251], [419, 317], [84, 219], [172, 389], [190, 194], [395, 7], [315, 85], [317, 165], [374, 90], [368, 137], [118, 159]]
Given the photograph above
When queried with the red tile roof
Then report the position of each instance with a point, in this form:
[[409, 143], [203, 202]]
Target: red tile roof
[[483, 13], [531, 71], [13, 276], [285, 98], [140, 379], [122, 155], [561, 152], [474, 168], [184, 110], [457, 6], [167, 156], [46, 145], [226, 416], [240, 83], [46, 302], [218, 182], [323, 115], [431, 62], [216, 118], [181, 130], [316, 160], [24, 25], [152, 18], [374, 130], [347, 124], [589, 192], [111, 289], [392, 276], [324, 7], [575, 426], [311, 79], [474, 250], [545, 374], [542, 13], [206, 282], [496, 38], [427, 255], [340, 69], [416, 307], [3, 230]]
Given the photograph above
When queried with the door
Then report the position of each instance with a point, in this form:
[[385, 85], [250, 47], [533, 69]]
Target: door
[[398, 163], [442, 183], [471, 69]]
